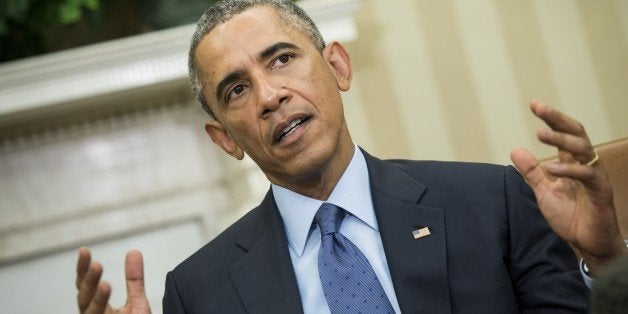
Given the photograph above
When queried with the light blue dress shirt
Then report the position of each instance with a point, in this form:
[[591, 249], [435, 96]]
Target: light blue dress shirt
[[353, 194]]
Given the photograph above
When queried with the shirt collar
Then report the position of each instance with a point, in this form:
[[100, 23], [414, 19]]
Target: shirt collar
[[352, 193]]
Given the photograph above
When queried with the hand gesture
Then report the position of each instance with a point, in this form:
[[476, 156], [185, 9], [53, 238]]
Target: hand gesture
[[574, 193], [93, 294]]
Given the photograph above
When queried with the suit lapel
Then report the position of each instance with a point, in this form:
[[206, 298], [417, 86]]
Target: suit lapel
[[264, 277], [418, 267]]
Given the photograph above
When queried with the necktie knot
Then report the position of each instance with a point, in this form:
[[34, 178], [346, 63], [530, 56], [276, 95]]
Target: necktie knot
[[329, 218]]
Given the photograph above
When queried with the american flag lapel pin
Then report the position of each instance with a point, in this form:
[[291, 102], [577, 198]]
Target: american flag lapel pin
[[421, 232]]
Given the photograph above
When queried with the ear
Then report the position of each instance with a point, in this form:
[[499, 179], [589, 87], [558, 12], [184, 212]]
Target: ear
[[338, 59], [220, 137]]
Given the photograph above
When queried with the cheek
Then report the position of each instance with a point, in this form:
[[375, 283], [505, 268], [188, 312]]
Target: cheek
[[235, 126], [314, 85], [247, 130]]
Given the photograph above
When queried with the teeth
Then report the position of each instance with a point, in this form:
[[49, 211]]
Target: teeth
[[289, 128], [292, 125]]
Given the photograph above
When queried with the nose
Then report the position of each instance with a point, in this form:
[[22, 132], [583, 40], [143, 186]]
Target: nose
[[272, 93]]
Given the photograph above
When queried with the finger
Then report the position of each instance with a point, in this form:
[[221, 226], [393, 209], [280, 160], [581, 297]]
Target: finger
[[529, 167], [566, 157], [592, 177], [571, 148], [574, 171], [82, 265], [100, 301], [134, 273], [89, 285], [557, 120]]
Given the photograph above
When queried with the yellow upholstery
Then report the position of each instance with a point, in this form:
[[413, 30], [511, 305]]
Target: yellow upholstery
[[615, 157]]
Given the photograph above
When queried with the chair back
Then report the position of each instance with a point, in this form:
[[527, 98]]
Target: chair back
[[614, 155]]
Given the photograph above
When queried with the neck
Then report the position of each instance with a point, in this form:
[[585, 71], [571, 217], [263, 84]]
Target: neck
[[322, 182]]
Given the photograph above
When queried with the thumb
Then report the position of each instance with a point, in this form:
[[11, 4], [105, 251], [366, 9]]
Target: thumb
[[529, 167], [134, 273]]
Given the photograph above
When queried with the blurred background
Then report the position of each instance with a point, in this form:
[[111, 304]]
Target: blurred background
[[102, 145]]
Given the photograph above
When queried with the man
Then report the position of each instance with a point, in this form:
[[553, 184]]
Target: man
[[436, 237]]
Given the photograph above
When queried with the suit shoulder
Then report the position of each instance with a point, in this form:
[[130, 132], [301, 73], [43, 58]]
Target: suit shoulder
[[465, 178], [222, 251], [452, 171], [205, 280]]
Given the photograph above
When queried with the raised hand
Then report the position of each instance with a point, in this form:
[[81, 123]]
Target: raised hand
[[574, 193], [93, 294]]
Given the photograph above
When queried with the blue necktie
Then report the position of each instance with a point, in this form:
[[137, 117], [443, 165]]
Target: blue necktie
[[348, 280]]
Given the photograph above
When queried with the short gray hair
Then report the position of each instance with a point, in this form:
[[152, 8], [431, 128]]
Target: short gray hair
[[222, 11]]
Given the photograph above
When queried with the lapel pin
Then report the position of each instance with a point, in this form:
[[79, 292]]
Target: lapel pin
[[421, 232]]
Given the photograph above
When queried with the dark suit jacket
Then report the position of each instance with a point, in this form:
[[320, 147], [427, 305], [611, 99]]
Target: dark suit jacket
[[490, 250]]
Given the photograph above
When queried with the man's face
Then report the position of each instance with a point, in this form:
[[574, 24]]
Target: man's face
[[275, 96]]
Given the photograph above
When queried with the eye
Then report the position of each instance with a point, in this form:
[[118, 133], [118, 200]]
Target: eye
[[235, 92], [238, 89], [282, 59]]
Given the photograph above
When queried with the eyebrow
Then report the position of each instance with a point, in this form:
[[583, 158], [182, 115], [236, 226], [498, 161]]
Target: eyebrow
[[236, 75], [268, 52], [230, 78]]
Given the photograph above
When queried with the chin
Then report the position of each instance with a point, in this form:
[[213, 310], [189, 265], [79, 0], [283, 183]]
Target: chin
[[314, 163]]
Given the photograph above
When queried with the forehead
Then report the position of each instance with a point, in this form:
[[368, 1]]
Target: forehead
[[237, 42]]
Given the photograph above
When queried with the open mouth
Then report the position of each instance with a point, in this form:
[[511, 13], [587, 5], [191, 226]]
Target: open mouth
[[290, 128]]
